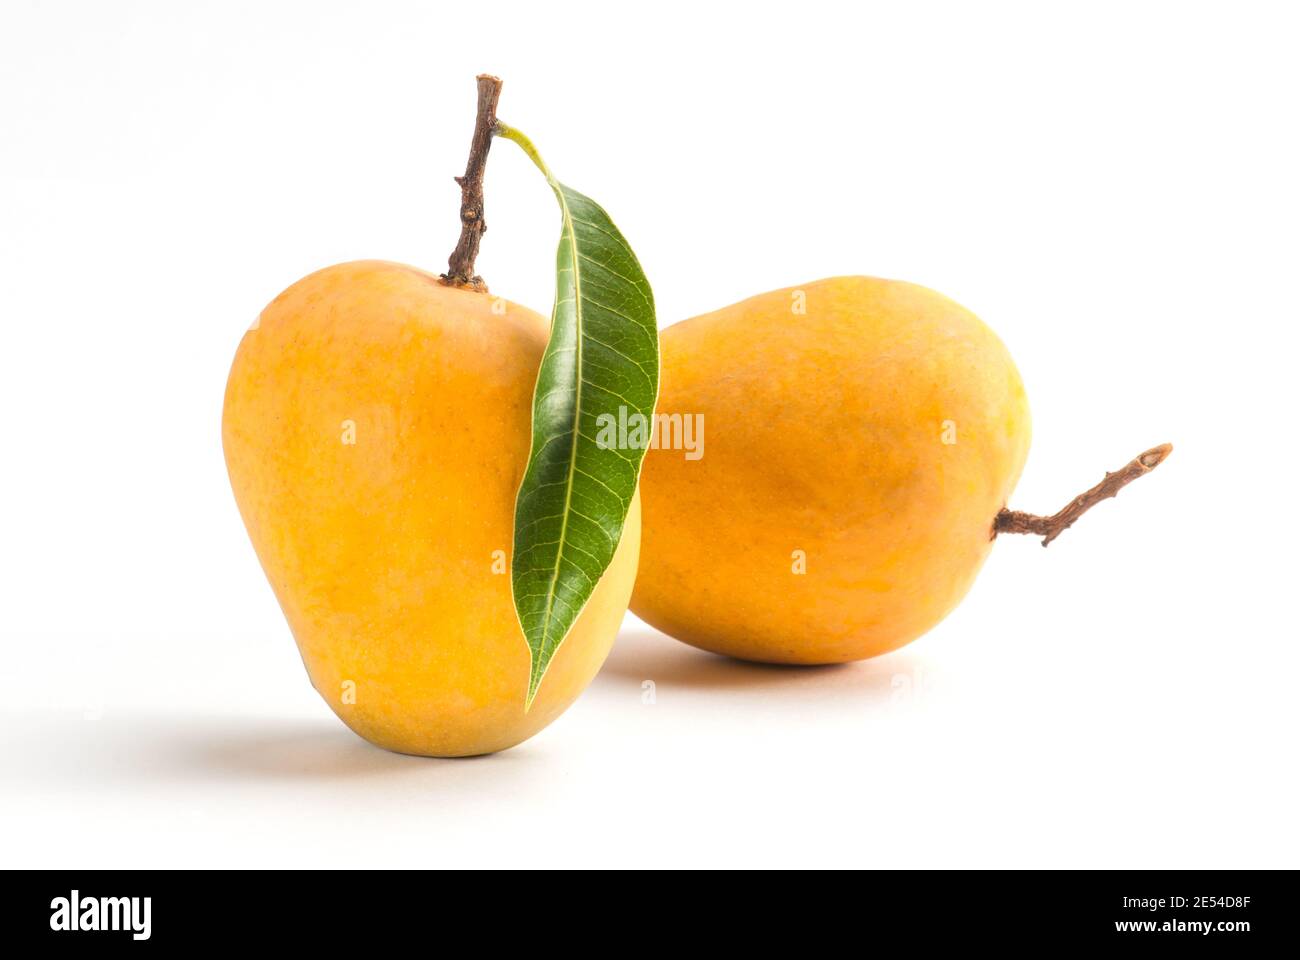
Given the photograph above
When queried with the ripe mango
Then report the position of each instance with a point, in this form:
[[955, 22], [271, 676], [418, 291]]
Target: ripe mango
[[861, 436], [376, 427]]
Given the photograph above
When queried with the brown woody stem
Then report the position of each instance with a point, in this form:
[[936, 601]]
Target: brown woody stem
[[1049, 528], [460, 265]]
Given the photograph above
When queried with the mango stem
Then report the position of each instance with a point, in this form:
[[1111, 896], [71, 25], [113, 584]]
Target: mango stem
[[460, 265], [1049, 528]]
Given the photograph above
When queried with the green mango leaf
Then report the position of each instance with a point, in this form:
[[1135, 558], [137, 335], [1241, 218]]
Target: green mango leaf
[[600, 369]]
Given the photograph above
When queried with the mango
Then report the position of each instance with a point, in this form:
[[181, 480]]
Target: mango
[[376, 428], [860, 437]]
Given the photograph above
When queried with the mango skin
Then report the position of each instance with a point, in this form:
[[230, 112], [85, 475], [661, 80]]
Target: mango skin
[[381, 552], [824, 433]]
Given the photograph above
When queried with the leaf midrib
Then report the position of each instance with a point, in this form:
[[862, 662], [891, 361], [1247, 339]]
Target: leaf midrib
[[577, 409]]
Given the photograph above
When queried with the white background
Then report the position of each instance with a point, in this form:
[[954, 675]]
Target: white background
[[1112, 187]]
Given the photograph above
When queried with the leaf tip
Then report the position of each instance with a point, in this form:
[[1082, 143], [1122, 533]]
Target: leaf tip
[[535, 674]]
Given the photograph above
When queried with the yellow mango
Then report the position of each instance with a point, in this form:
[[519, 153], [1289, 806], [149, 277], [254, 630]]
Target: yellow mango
[[860, 436], [376, 427]]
